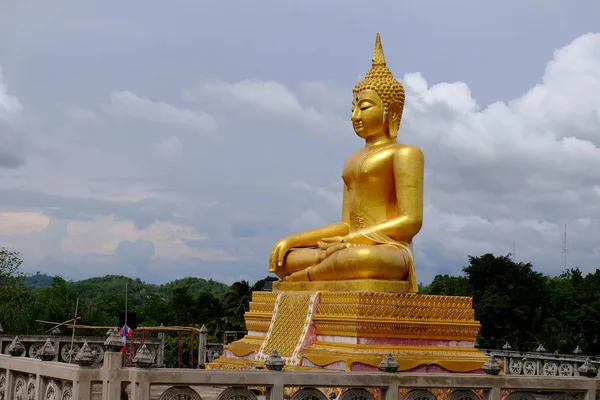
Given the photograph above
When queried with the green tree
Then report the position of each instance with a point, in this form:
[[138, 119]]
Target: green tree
[[446, 285], [559, 327], [10, 262], [508, 300], [14, 295], [237, 301], [154, 311], [55, 303], [587, 314]]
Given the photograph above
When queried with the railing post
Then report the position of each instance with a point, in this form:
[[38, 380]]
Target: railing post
[[590, 393], [111, 380], [82, 390], [491, 394], [140, 390], [202, 342], [9, 390], [160, 354], [38, 387], [274, 392], [390, 392]]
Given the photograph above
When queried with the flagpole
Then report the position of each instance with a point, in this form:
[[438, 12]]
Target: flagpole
[[124, 331], [73, 334], [126, 282]]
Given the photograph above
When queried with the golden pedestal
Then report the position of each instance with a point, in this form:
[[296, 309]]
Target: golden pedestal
[[354, 331]]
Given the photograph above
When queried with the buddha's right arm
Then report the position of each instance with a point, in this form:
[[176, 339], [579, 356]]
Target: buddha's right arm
[[311, 237]]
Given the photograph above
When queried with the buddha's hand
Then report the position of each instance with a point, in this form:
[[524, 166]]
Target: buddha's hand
[[335, 248], [326, 243], [278, 253]]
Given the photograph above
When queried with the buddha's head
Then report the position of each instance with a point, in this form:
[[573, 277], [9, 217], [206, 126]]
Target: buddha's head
[[378, 101]]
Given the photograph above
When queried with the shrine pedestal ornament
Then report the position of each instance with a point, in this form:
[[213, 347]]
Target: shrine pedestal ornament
[[347, 297], [355, 331]]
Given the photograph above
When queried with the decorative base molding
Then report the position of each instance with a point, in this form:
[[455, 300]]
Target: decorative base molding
[[354, 331]]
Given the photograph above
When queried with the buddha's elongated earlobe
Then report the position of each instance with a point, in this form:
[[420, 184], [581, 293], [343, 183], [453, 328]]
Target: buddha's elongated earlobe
[[394, 114]]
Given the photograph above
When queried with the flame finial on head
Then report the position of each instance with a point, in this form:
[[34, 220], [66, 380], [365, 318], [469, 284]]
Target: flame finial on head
[[380, 79], [378, 56]]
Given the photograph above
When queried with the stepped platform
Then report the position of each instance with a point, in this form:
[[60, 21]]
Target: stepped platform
[[354, 331]]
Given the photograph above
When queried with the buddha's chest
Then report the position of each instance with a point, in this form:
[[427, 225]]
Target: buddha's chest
[[368, 167]]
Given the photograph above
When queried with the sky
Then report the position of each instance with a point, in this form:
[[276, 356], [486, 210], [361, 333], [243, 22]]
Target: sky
[[161, 140]]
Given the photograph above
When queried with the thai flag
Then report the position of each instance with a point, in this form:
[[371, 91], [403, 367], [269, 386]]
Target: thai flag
[[125, 331]]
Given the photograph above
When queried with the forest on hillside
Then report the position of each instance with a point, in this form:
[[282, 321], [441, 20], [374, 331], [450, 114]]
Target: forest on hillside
[[513, 302], [183, 302]]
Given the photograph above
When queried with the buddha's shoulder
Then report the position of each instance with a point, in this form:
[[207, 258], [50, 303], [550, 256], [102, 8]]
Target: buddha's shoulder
[[407, 150]]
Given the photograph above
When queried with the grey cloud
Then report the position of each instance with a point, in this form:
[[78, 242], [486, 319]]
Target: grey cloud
[[246, 229], [11, 154], [143, 213], [136, 253]]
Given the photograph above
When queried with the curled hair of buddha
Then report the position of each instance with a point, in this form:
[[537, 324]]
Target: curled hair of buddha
[[380, 80]]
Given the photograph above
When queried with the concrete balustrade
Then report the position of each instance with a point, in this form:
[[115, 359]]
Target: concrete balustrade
[[26, 378]]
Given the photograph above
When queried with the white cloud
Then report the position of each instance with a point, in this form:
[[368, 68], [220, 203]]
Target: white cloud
[[515, 171], [268, 96], [128, 105], [10, 106], [12, 145], [272, 100]]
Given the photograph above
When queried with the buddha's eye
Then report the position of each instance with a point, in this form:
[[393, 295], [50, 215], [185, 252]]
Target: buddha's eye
[[365, 108]]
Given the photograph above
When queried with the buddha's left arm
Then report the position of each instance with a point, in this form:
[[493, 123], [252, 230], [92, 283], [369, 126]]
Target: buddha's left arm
[[408, 180]]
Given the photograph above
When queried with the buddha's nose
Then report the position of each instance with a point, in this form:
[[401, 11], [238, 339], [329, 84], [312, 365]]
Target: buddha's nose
[[355, 115]]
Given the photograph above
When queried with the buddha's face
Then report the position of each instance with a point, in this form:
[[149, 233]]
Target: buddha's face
[[368, 114]]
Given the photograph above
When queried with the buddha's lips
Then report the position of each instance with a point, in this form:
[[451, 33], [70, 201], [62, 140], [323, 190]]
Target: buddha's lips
[[358, 125]]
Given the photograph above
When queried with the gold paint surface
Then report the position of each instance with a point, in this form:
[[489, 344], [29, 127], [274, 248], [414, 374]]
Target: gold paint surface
[[258, 326], [395, 299], [258, 318], [288, 323], [261, 307], [394, 330], [395, 313], [370, 285], [453, 362], [264, 297]]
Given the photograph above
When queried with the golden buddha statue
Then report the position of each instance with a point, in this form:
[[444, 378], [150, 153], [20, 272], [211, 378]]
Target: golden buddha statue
[[382, 201]]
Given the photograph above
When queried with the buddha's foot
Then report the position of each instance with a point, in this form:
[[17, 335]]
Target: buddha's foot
[[299, 276]]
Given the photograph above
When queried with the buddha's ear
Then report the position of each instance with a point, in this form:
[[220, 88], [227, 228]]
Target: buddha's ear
[[394, 111]]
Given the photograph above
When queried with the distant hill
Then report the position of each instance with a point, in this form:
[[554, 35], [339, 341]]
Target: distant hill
[[137, 290], [39, 280], [197, 285]]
